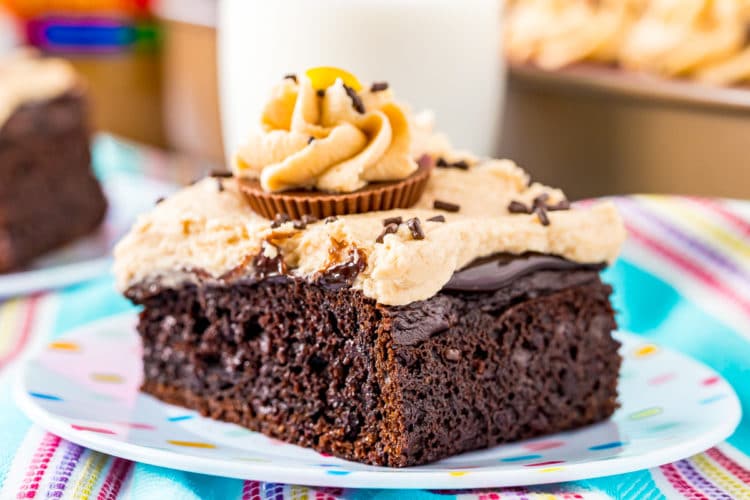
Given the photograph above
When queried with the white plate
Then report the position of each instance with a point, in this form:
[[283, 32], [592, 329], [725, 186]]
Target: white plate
[[90, 257], [84, 387]]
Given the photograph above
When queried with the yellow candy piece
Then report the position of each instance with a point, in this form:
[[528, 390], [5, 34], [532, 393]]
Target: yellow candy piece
[[324, 76]]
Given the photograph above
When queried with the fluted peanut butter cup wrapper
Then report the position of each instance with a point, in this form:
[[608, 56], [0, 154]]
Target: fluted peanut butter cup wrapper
[[374, 197]]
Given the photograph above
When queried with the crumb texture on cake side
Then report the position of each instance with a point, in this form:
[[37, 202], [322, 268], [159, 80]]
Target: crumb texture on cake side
[[394, 386]]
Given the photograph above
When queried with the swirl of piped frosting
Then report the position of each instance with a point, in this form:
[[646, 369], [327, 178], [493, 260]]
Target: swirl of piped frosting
[[336, 138]]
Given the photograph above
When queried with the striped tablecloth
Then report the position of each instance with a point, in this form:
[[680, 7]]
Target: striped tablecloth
[[683, 281]]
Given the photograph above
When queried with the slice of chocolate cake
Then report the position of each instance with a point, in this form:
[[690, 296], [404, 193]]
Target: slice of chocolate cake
[[393, 338], [49, 195]]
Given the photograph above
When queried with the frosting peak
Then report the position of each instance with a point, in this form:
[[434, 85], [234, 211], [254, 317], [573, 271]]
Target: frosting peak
[[334, 139]]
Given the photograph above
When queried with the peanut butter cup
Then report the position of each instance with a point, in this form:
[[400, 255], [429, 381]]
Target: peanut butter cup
[[371, 198]]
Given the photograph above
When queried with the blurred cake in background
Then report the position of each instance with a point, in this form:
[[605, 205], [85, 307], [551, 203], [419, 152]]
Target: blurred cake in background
[[48, 194], [701, 39]]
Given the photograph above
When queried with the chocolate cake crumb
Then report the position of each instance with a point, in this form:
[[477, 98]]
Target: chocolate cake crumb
[[266, 267], [416, 228], [280, 219], [219, 185], [452, 354], [516, 207], [379, 86], [541, 214], [329, 219], [393, 220], [445, 205], [310, 140], [359, 106], [320, 92], [437, 218], [389, 229], [291, 76], [159, 200]]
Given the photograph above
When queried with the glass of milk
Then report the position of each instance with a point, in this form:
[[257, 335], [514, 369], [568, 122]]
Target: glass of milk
[[442, 55]]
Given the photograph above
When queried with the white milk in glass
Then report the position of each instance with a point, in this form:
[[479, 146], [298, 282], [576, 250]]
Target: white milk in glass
[[442, 55]]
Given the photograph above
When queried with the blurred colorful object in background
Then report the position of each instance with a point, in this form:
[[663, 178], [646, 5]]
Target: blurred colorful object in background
[[10, 34], [86, 26]]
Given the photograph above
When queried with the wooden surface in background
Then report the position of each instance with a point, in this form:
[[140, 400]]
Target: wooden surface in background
[[125, 92], [604, 132]]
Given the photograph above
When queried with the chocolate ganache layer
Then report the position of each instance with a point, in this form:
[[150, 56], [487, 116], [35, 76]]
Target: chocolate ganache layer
[[499, 270]]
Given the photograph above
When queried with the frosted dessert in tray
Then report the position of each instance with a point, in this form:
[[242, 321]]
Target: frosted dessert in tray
[[405, 302]]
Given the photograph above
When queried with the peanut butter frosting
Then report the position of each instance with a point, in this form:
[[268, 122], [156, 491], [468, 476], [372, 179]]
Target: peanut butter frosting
[[26, 77], [335, 139], [205, 233]]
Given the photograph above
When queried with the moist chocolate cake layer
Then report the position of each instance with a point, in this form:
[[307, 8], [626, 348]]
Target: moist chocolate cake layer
[[49, 195], [328, 368]]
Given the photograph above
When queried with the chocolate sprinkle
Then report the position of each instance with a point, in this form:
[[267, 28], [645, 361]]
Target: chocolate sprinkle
[[516, 207], [159, 200], [389, 229], [359, 106], [437, 218], [320, 92], [309, 141], [541, 214], [416, 228], [447, 206], [460, 164], [540, 201], [219, 185], [560, 205], [393, 220], [539, 207], [279, 220], [425, 160], [221, 174], [291, 76], [379, 86]]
